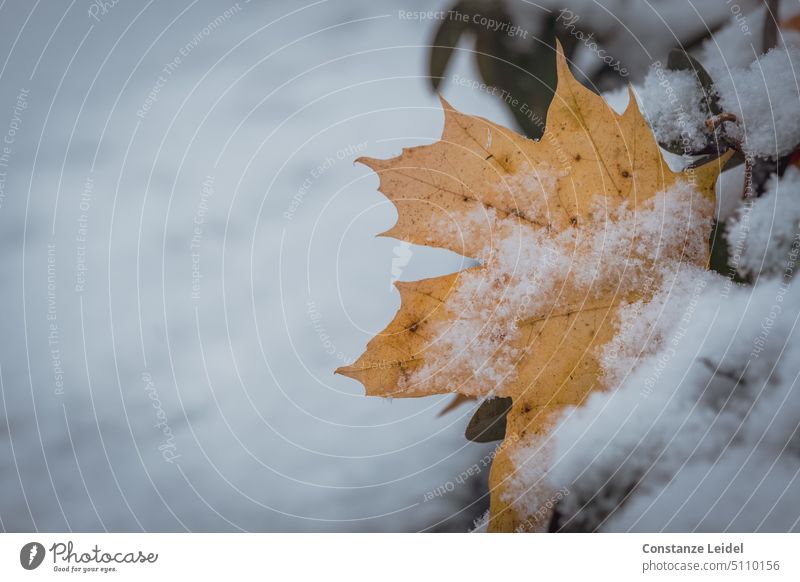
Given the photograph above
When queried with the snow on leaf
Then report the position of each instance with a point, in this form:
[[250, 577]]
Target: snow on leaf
[[567, 229]]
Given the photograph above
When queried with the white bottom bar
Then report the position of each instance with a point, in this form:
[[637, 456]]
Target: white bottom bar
[[402, 557]]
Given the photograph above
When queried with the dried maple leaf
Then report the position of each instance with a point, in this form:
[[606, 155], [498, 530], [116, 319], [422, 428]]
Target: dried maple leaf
[[568, 230]]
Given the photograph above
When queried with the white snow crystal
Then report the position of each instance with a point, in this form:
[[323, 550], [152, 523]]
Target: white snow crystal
[[765, 98], [672, 102], [764, 235]]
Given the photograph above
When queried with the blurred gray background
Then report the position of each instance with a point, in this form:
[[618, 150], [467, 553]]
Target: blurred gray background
[[188, 254]]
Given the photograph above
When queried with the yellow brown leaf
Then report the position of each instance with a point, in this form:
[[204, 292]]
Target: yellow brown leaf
[[568, 230]]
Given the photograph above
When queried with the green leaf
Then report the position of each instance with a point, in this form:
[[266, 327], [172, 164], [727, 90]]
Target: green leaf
[[488, 424]]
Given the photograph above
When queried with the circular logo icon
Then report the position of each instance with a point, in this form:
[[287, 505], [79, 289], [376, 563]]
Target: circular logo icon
[[31, 555]]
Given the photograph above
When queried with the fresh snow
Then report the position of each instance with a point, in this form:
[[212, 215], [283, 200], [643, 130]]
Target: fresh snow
[[766, 230], [705, 426], [764, 96], [672, 102]]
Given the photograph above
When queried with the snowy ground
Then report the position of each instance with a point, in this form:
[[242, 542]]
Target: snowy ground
[[149, 384]]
